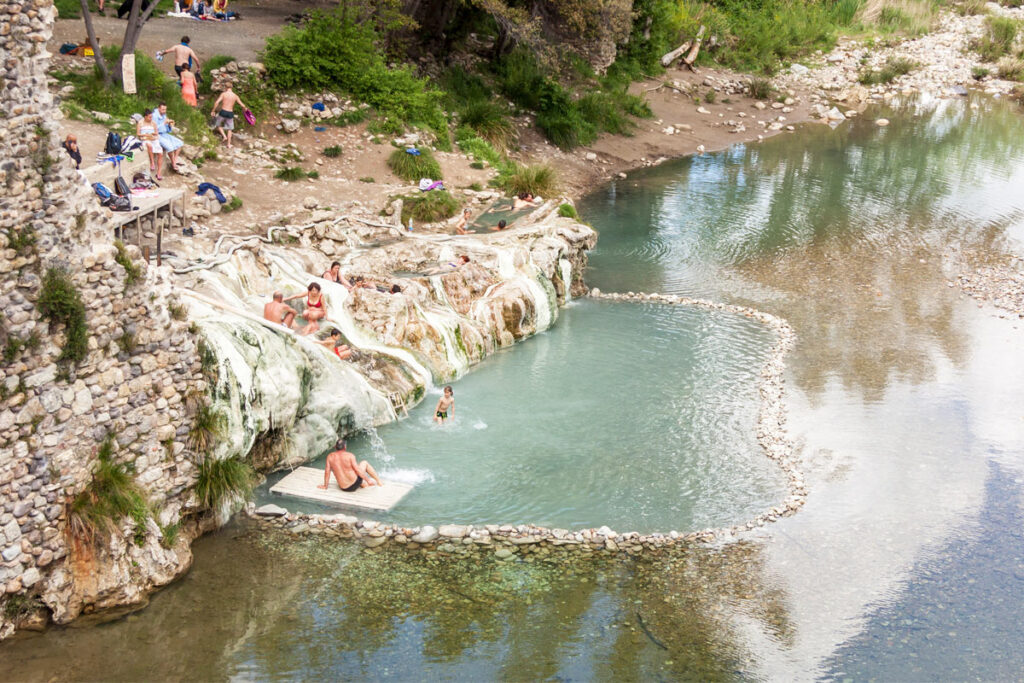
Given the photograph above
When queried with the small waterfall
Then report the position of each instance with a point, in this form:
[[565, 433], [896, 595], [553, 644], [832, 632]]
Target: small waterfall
[[456, 357], [378, 447], [565, 269]]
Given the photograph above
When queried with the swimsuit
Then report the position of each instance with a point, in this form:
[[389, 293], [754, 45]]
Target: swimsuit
[[443, 414], [355, 486]]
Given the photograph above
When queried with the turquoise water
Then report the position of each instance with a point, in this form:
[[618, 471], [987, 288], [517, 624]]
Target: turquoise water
[[641, 417], [905, 402]]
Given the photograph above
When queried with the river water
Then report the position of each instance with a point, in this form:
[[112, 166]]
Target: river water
[[906, 403]]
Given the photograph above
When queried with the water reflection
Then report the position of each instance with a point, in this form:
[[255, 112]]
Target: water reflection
[[959, 612], [316, 608]]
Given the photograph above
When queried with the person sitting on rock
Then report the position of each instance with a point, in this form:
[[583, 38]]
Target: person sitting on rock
[[462, 223], [350, 475], [316, 307], [333, 342], [70, 146], [277, 311], [502, 224]]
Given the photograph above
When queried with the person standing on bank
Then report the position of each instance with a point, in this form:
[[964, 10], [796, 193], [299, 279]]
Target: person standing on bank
[[224, 110], [184, 56]]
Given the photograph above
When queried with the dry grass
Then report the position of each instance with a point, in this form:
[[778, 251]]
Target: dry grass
[[912, 17]]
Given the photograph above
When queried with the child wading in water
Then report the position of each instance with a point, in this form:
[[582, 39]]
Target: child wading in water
[[444, 405]]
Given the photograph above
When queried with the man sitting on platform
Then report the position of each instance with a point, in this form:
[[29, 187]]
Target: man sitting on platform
[[350, 475]]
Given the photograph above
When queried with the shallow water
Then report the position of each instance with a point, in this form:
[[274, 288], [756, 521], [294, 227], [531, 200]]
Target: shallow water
[[905, 401], [641, 417]]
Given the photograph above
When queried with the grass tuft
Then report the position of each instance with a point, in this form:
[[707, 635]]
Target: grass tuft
[[568, 211], [132, 272], [411, 167], [60, 302], [220, 481], [998, 38], [761, 88], [206, 429], [111, 496], [429, 207], [332, 152], [539, 179], [893, 69]]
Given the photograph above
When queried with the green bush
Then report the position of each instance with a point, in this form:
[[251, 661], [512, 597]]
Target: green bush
[[332, 50], [567, 211], [290, 173], [111, 496], [761, 88], [971, 7], [412, 167], [60, 302], [997, 41], [538, 180], [893, 68], [490, 121], [479, 148], [429, 207], [68, 9], [232, 204], [222, 480], [332, 152]]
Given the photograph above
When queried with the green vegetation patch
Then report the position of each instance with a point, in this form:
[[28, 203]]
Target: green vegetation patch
[[337, 51], [60, 302], [111, 496], [332, 152], [412, 167], [429, 207], [131, 271], [539, 180], [220, 481], [232, 204], [568, 211], [207, 428], [998, 38], [894, 67], [293, 173]]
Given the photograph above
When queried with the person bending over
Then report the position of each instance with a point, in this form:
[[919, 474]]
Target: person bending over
[[350, 475]]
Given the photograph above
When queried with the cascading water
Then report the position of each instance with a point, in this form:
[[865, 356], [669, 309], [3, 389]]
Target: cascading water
[[565, 270]]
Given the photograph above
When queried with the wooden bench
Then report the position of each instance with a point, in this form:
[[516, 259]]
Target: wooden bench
[[149, 206]]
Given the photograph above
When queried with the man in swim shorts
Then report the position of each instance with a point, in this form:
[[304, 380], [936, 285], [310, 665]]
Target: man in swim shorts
[[350, 475], [445, 405], [224, 110], [277, 311], [184, 55]]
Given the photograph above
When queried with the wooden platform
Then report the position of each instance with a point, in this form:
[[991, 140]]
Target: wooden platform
[[303, 482]]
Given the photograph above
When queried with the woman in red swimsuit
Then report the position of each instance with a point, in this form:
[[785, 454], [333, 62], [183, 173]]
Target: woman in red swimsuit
[[316, 308]]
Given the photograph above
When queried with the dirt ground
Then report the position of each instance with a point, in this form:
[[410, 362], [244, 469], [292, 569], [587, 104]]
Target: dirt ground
[[244, 173]]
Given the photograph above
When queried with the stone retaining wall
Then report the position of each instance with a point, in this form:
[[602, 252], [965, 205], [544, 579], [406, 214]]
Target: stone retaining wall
[[131, 383], [507, 541]]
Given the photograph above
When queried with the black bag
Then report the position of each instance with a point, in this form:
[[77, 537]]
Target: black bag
[[113, 144], [121, 187], [120, 203]]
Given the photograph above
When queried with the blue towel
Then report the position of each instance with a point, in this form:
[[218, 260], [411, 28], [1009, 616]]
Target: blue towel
[[413, 151], [203, 187], [319, 106]]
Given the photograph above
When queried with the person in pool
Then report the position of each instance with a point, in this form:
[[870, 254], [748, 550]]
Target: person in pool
[[350, 475], [333, 342], [277, 311], [316, 307], [502, 224], [444, 405], [461, 225]]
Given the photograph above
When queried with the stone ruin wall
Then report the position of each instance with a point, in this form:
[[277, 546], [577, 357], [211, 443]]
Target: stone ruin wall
[[54, 415]]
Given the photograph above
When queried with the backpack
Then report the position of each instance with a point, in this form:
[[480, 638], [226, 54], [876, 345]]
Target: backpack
[[103, 192], [113, 144], [120, 204], [141, 179], [121, 187]]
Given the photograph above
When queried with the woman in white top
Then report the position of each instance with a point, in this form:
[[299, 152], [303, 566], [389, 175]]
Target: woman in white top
[[146, 131]]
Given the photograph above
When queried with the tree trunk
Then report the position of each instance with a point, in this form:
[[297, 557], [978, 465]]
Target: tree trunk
[[136, 20], [101, 63]]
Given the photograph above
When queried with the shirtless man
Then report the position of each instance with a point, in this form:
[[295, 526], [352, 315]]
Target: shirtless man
[[462, 222], [445, 404], [183, 55], [277, 311], [350, 475], [224, 110]]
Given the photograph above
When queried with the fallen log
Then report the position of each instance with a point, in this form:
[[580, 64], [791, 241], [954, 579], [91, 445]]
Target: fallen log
[[672, 56], [692, 56]]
